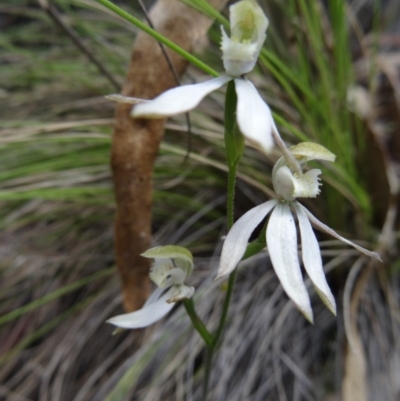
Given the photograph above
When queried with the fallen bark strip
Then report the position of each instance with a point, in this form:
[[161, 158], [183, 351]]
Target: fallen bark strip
[[136, 141]]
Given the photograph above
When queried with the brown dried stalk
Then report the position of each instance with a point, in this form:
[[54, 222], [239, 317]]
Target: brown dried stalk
[[136, 141]]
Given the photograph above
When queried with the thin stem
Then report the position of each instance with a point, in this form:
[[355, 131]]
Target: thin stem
[[57, 18], [231, 282], [164, 52], [209, 358], [198, 323], [133, 20], [231, 195], [287, 154], [234, 143], [225, 308], [176, 76]]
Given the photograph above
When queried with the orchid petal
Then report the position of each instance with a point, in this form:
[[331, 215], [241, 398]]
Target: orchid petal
[[239, 58], [307, 185], [283, 181], [282, 248], [177, 100], [248, 16], [155, 295], [248, 25], [146, 316], [160, 272], [180, 293], [238, 237], [253, 115], [124, 99], [312, 151], [178, 276], [169, 252], [169, 256], [290, 185], [312, 259], [329, 231]]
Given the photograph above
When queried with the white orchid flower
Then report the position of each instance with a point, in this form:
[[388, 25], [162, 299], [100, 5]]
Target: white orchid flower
[[281, 236], [240, 53], [172, 266]]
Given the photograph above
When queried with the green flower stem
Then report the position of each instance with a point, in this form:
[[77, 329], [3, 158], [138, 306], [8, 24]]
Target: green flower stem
[[231, 281], [208, 364], [234, 145], [198, 323], [225, 308], [189, 57], [231, 195], [229, 291]]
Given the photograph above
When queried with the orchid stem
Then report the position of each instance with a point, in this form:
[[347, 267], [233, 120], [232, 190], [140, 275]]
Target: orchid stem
[[208, 363], [225, 308], [231, 195], [198, 323], [230, 221], [231, 282], [234, 145], [290, 159]]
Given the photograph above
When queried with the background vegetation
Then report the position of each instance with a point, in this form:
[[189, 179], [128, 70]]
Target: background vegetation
[[329, 71]]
